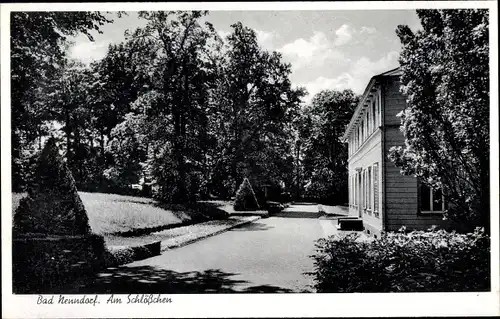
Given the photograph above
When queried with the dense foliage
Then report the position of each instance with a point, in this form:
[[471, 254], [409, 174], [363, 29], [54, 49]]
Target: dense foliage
[[433, 261], [255, 105], [38, 51], [446, 125], [323, 166], [245, 197], [174, 108]]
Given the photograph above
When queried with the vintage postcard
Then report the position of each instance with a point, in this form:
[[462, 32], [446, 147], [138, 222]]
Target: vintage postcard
[[250, 159]]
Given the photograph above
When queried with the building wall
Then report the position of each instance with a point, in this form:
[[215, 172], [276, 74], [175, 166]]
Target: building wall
[[401, 192], [368, 154]]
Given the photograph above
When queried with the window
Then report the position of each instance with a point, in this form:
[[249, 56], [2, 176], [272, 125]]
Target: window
[[365, 126], [374, 116], [368, 121], [362, 189], [355, 189], [359, 137], [369, 188], [431, 200], [350, 190], [375, 189], [362, 131], [379, 108], [365, 190]]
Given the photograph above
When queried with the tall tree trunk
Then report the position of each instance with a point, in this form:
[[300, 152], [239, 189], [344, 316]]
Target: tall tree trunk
[[180, 131]]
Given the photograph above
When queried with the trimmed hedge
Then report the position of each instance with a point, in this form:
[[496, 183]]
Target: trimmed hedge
[[420, 261], [245, 197], [124, 255], [42, 264]]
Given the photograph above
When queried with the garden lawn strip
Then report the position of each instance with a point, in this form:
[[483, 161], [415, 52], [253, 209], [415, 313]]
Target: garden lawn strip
[[130, 216], [199, 231], [180, 236]]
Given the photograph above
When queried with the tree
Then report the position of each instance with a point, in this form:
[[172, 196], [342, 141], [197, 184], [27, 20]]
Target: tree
[[446, 80], [128, 147], [245, 197], [255, 105], [117, 98], [325, 156], [53, 205], [175, 103], [38, 47]]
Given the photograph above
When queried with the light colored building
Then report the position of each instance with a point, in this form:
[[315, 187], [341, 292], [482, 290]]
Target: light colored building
[[378, 193]]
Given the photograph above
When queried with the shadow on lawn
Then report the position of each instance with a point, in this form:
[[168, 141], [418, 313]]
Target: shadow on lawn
[[189, 214], [147, 279]]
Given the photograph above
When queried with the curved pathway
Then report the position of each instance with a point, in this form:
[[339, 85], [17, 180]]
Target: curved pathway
[[269, 255]]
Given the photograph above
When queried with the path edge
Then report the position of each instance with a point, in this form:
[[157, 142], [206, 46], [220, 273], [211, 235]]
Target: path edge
[[165, 246], [120, 255]]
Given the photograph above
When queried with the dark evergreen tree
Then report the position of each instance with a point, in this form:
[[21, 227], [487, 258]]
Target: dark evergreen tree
[[245, 197], [53, 205]]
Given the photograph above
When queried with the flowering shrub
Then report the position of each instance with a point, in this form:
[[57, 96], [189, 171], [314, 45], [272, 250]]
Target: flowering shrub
[[419, 261]]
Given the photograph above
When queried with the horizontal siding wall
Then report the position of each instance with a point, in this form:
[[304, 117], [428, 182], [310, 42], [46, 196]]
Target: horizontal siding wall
[[394, 102], [401, 192]]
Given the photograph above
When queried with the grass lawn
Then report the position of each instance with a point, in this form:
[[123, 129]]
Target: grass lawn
[[114, 214]]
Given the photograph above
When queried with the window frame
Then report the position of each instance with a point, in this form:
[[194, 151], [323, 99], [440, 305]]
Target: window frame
[[374, 111], [375, 177], [369, 189], [431, 201]]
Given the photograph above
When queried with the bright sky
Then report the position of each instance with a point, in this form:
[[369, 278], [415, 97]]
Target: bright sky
[[328, 49]]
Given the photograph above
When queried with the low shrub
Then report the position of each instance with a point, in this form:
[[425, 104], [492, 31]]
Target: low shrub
[[245, 197], [419, 261]]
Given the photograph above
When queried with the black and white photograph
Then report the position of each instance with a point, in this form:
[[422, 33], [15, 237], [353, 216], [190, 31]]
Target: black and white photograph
[[153, 154]]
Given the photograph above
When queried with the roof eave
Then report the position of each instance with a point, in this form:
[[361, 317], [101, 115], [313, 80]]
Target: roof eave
[[362, 101], [359, 107]]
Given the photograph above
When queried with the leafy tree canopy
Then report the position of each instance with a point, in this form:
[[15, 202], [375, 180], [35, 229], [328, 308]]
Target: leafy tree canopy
[[446, 80]]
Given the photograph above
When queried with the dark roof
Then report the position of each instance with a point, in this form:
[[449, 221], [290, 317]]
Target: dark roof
[[393, 72]]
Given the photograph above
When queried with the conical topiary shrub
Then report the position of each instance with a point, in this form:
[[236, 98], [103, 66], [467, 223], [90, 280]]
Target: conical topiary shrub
[[53, 206], [245, 197]]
